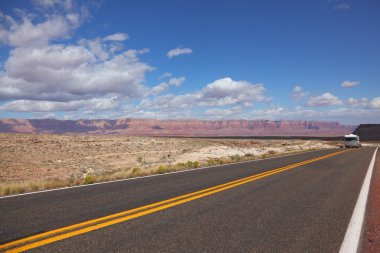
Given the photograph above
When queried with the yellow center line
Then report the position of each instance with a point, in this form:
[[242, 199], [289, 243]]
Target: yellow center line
[[91, 225], [90, 222]]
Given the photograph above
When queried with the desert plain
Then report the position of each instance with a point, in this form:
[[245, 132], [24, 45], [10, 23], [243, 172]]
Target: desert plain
[[42, 161]]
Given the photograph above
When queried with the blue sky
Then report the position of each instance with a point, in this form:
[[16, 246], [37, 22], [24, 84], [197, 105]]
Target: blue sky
[[306, 60]]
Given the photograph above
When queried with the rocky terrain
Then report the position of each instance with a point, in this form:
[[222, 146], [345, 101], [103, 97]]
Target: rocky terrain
[[37, 157], [151, 127]]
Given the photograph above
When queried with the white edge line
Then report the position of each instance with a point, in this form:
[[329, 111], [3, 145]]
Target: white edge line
[[155, 175], [352, 238]]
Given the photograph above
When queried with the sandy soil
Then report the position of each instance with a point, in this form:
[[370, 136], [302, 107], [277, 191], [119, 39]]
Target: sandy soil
[[42, 156]]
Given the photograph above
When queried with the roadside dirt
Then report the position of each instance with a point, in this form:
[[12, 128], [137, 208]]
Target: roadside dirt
[[34, 157], [371, 235]]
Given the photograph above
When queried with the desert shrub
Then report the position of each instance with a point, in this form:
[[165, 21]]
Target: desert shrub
[[161, 169], [272, 152], [33, 186], [219, 161], [53, 183], [211, 162], [189, 164], [88, 179], [120, 173], [196, 164], [139, 159], [236, 158], [19, 189], [135, 172], [248, 155], [7, 190]]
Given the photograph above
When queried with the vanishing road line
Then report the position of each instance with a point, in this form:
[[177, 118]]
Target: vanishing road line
[[102, 222]]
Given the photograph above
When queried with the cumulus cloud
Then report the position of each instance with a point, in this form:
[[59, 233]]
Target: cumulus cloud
[[221, 92], [166, 85], [375, 103], [62, 73], [96, 104], [354, 102], [349, 84], [117, 37], [25, 33], [41, 67], [326, 99], [220, 112], [226, 91], [176, 81], [364, 102], [298, 93], [178, 51]]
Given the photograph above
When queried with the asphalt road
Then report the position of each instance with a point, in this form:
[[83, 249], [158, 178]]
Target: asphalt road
[[303, 209]]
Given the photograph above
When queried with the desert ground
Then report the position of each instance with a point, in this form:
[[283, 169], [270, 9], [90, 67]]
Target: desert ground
[[36, 158]]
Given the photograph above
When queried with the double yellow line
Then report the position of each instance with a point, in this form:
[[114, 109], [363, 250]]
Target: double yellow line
[[91, 225]]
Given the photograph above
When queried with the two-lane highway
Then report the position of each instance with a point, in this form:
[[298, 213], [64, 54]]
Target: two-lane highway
[[297, 203]]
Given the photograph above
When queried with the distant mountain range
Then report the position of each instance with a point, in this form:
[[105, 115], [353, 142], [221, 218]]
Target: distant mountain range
[[154, 127]]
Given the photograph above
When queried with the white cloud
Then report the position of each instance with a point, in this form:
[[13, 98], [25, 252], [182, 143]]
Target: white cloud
[[176, 81], [226, 91], [375, 103], [96, 104], [220, 112], [342, 6], [41, 67], [349, 84], [165, 75], [49, 4], [117, 37], [28, 34], [325, 99], [160, 88], [221, 92], [61, 73], [354, 102], [298, 93], [164, 86], [178, 51]]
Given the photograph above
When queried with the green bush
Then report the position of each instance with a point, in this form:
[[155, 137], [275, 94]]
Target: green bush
[[236, 158], [189, 164], [135, 172], [88, 179], [210, 162], [161, 169], [196, 164], [180, 165]]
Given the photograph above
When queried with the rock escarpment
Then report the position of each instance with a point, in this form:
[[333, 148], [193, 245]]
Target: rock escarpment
[[368, 132], [177, 127]]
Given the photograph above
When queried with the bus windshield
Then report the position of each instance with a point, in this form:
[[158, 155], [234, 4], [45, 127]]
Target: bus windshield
[[350, 139]]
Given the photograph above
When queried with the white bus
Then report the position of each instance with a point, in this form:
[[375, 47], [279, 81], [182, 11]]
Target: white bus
[[351, 141]]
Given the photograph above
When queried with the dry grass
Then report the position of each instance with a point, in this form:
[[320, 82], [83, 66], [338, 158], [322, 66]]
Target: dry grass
[[124, 173], [40, 162]]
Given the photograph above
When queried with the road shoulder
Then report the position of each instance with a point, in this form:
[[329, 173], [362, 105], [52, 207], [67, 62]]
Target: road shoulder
[[371, 235]]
